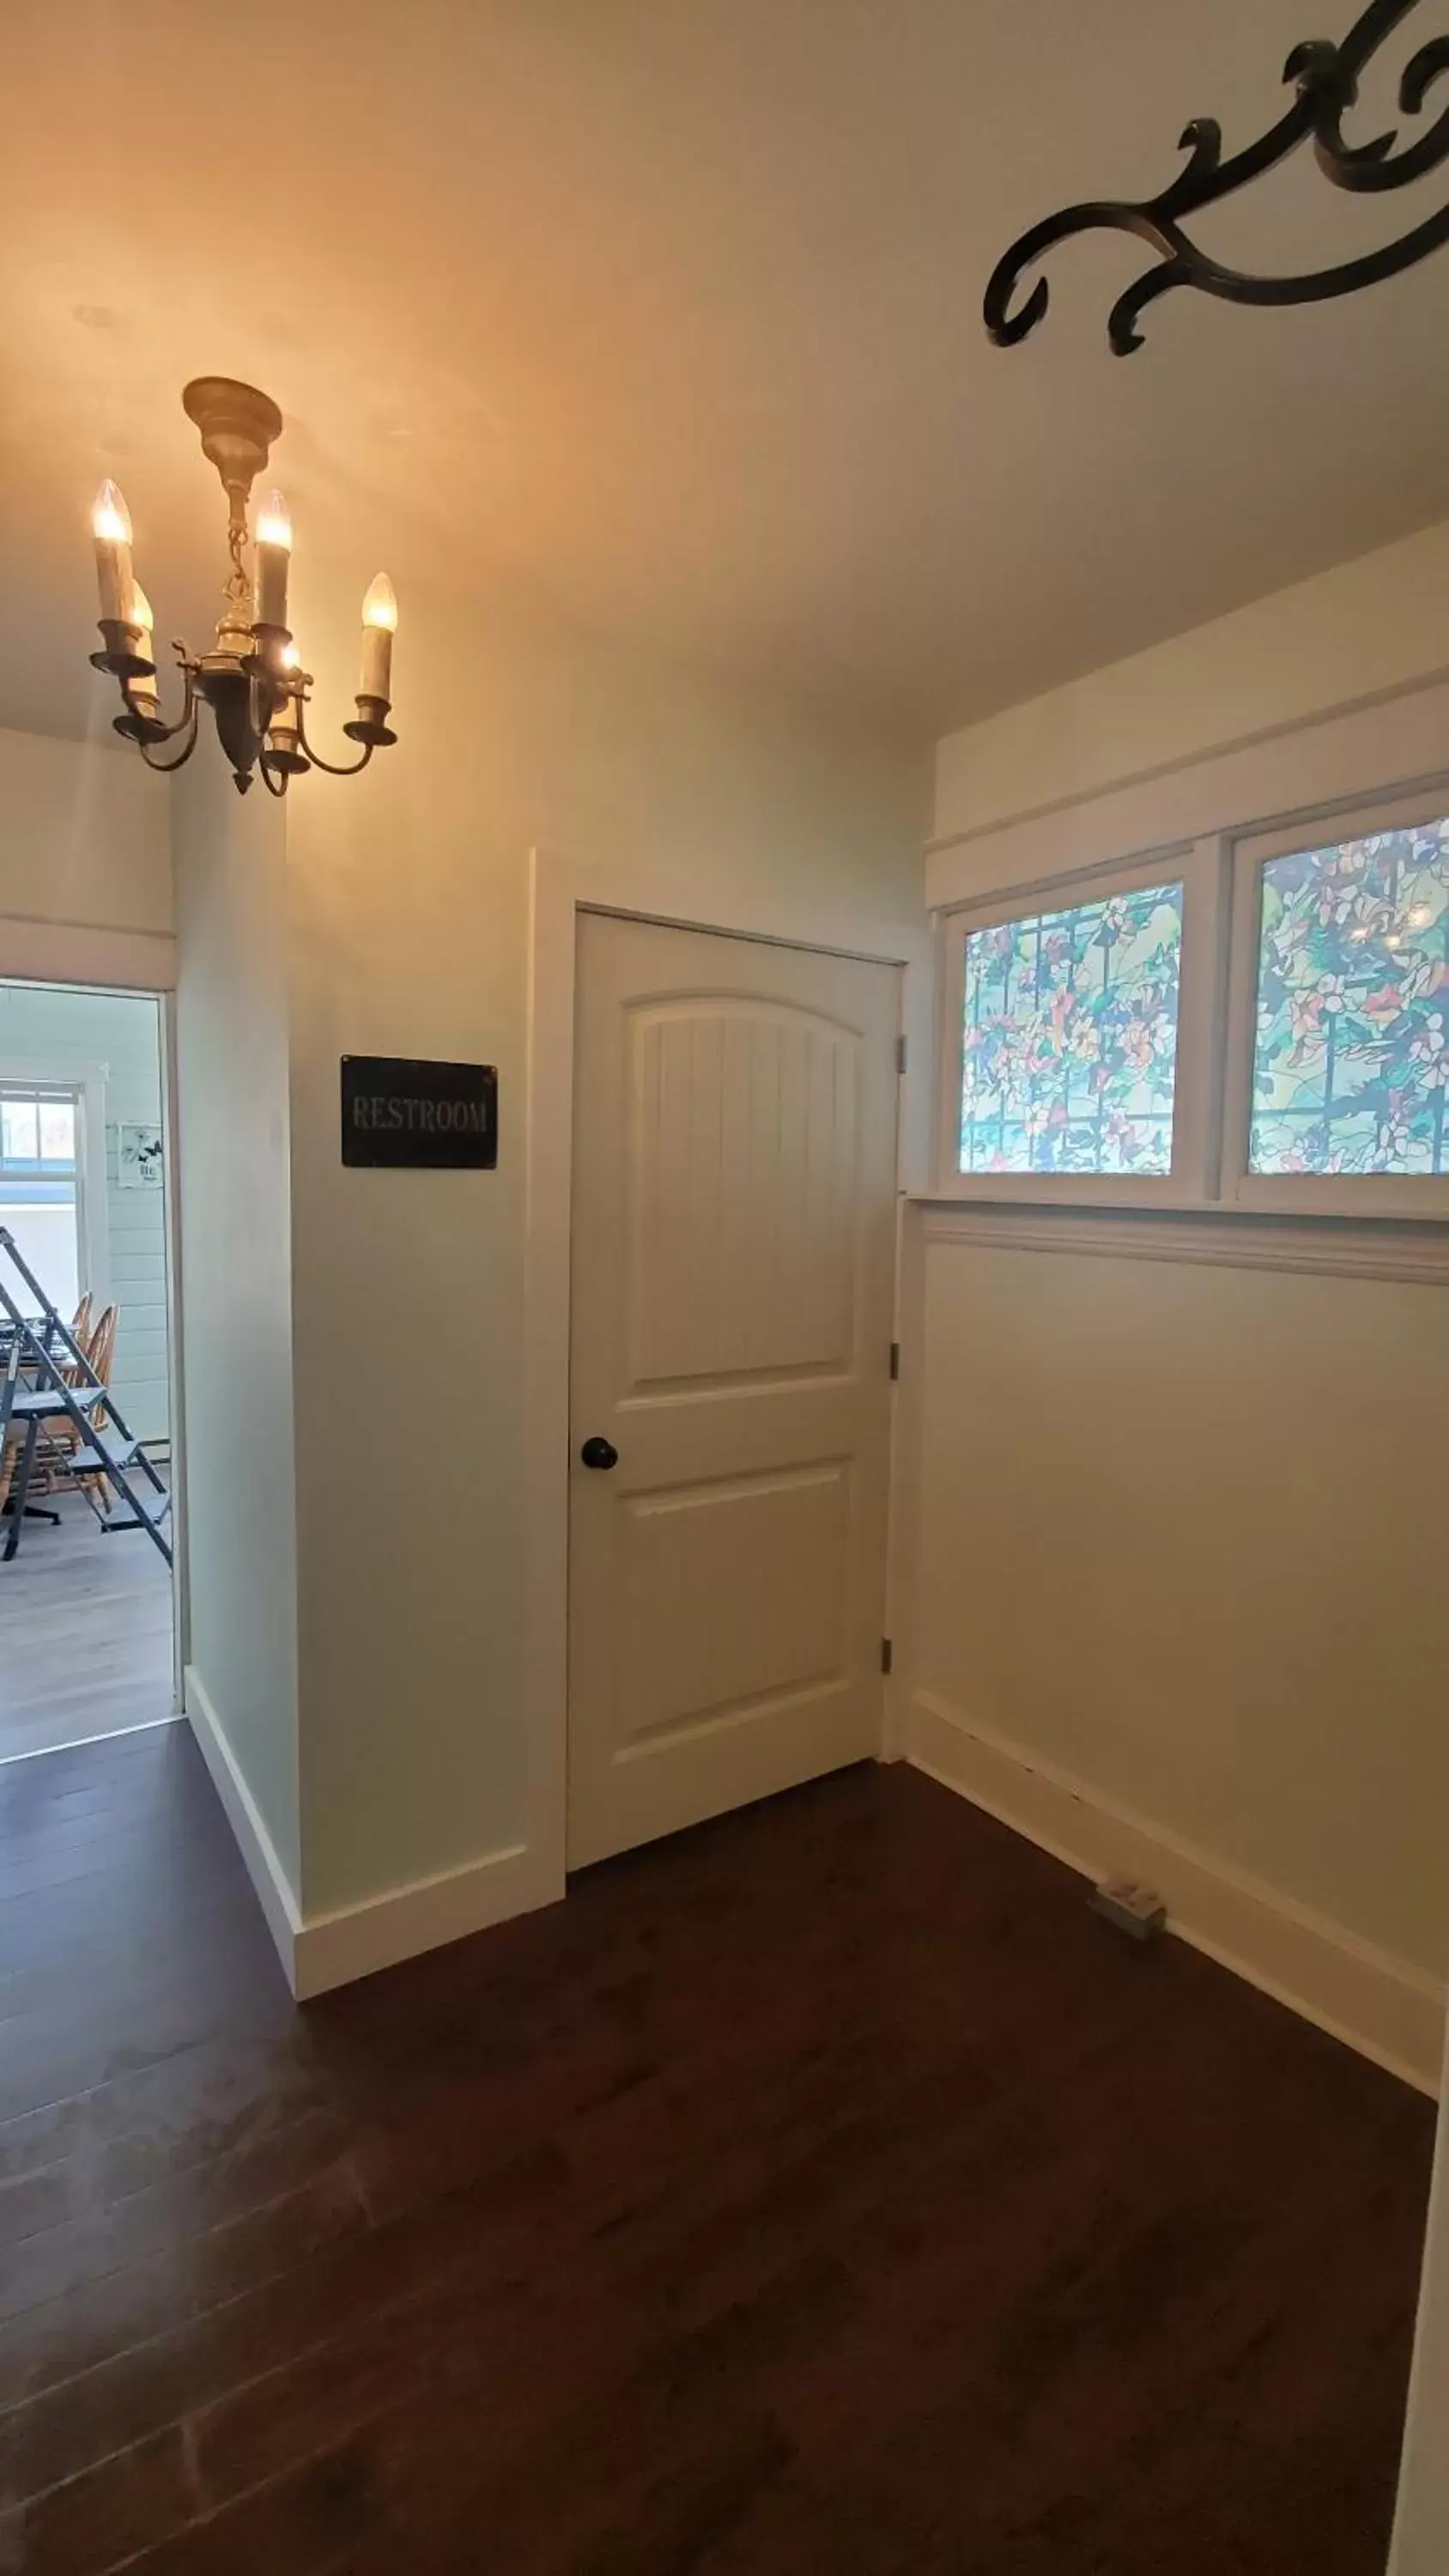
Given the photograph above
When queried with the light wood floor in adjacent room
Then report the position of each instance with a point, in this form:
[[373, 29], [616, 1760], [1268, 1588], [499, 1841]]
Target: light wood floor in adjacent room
[[85, 1633]]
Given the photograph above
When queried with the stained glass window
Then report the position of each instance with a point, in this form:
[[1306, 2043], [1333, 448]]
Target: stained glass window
[[1351, 1061], [1070, 1038]]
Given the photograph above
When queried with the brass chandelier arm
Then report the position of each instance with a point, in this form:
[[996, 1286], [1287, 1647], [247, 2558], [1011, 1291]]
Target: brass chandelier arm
[[273, 786], [186, 751], [347, 769], [188, 715]]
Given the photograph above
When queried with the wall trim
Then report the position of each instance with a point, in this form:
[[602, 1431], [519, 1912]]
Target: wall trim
[[117, 959], [1325, 761], [356, 1940], [1380, 2005], [1222, 1237], [325, 1950], [263, 1864], [1151, 771]]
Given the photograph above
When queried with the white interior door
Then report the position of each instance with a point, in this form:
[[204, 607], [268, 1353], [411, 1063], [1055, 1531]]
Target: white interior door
[[733, 1273]]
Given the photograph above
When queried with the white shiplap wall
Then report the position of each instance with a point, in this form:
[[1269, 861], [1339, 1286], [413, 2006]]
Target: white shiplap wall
[[64, 1028]]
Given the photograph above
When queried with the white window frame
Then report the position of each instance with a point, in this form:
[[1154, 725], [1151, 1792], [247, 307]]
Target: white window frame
[[1320, 1194], [88, 1082], [1202, 868]]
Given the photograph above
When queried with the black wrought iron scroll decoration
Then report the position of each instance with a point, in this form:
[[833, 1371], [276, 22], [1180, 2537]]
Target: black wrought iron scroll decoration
[[1326, 79]]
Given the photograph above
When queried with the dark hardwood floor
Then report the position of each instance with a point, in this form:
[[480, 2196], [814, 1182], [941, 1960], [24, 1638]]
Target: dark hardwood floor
[[824, 2190]]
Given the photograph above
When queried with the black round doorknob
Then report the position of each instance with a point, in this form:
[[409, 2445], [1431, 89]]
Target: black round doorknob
[[599, 1453]]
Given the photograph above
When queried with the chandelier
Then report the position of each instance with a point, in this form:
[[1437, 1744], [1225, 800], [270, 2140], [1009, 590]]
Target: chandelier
[[252, 678], [1326, 80]]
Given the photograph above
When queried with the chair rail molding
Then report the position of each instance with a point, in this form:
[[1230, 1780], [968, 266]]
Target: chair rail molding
[[1223, 1237]]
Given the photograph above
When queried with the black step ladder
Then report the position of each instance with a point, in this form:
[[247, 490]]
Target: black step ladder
[[63, 1385]]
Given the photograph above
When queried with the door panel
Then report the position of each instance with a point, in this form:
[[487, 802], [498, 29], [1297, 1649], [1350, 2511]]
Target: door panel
[[733, 1264], [745, 1149], [776, 1541]]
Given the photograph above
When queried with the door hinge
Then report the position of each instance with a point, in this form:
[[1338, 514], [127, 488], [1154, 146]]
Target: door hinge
[[895, 1359], [900, 1055], [886, 1653]]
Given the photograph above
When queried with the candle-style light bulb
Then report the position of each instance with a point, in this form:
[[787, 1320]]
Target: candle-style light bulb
[[274, 522], [379, 625], [111, 528], [274, 551], [110, 518]]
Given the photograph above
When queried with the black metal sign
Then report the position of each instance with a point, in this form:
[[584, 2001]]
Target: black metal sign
[[402, 1112]]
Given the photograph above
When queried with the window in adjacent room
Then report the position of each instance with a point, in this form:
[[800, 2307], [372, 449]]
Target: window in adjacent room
[[40, 1184]]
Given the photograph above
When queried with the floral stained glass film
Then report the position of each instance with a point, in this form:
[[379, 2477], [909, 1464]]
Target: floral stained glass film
[[1070, 1038], [1351, 1061]]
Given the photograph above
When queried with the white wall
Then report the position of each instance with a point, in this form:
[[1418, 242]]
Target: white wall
[[1355, 633], [71, 1031], [1182, 1529], [1182, 1532], [232, 1179], [1180, 1525], [409, 890], [84, 837]]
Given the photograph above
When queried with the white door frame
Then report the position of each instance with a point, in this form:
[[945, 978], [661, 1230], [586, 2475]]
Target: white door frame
[[141, 962], [560, 888]]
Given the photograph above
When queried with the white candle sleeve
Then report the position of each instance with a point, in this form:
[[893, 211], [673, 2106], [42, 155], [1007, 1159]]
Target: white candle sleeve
[[376, 662], [113, 572], [271, 598], [111, 528]]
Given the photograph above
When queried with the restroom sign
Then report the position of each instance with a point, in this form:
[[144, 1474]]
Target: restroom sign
[[403, 1112]]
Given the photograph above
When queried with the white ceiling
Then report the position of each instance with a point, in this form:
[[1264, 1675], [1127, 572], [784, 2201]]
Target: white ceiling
[[667, 312]]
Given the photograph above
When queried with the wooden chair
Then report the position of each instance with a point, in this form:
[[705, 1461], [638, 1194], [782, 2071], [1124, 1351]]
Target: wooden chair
[[51, 1473], [9, 1459], [101, 1352]]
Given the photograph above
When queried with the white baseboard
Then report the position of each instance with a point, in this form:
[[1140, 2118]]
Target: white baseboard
[[1381, 2005], [356, 1940], [273, 1887], [320, 1951]]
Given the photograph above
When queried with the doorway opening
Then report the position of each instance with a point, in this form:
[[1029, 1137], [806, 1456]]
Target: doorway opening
[[87, 1611]]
